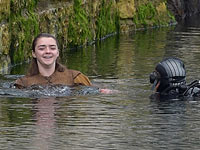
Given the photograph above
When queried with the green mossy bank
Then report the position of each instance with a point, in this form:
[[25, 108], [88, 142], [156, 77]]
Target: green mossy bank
[[74, 23]]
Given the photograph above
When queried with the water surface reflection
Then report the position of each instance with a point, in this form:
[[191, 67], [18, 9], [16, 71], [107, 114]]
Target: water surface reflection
[[125, 120]]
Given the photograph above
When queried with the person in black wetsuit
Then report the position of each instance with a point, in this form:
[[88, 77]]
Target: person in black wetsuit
[[169, 80]]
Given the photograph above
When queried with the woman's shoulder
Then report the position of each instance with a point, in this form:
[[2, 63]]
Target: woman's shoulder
[[72, 72], [23, 77], [78, 77]]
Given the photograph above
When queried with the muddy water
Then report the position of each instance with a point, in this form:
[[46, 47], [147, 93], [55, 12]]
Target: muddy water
[[127, 119]]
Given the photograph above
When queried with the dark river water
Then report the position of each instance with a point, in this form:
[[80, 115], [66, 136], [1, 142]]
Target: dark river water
[[125, 120]]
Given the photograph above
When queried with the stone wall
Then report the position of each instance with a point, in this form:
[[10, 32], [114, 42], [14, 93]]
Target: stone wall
[[74, 23], [139, 14], [183, 8]]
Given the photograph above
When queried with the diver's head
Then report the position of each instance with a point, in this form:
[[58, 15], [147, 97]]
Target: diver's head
[[169, 73]]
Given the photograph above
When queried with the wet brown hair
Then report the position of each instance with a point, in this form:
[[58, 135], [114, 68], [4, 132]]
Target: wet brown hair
[[33, 69]]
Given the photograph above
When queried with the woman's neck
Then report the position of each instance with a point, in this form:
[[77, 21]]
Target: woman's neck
[[46, 70]]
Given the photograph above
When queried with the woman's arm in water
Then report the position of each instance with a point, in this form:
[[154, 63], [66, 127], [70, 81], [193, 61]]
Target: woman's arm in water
[[107, 91]]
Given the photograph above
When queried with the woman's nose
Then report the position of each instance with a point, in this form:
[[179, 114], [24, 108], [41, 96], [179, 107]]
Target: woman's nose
[[47, 50]]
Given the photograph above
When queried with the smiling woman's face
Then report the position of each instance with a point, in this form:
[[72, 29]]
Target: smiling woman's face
[[46, 52]]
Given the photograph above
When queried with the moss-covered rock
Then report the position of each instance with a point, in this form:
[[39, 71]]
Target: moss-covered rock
[[126, 9], [108, 19], [73, 23], [79, 31], [4, 9], [152, 14], [4, 39], [23, 31], [5, 64], [23, 27]]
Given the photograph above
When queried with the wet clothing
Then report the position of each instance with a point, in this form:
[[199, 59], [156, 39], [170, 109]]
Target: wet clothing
[[67, 77]]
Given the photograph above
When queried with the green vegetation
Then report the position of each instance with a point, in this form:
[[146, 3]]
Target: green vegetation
[[4, 10], [108, 20], [145, 15], [80, 24], [79, 31], [23, 31], [149, 15], [23, 27]]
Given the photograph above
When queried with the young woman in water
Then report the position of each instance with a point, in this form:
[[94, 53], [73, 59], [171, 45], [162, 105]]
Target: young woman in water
[[45, 68]]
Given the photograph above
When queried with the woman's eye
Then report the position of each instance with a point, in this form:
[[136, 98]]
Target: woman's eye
[[53, 48], [41, 48]]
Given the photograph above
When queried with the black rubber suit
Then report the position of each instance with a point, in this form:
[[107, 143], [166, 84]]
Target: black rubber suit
[[169, 80]]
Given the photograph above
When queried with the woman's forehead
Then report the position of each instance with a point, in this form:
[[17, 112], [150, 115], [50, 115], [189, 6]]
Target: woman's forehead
[[46, 41]]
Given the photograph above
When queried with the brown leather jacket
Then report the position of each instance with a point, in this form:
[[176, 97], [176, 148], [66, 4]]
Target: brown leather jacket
[[67, 77]]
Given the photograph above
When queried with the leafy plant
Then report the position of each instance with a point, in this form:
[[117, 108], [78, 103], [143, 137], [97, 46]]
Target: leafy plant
[[145, 14], [78, 31]]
